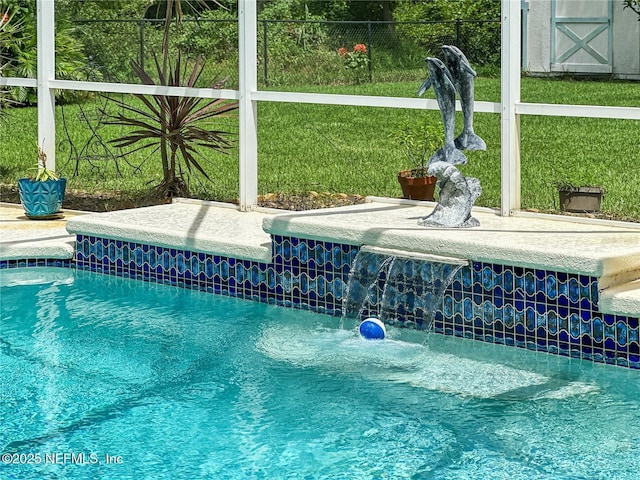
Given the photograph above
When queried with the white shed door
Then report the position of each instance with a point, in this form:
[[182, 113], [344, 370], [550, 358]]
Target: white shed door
[[581, 40]]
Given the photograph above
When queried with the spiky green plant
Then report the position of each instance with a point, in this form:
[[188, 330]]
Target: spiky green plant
[[176, 126], [419, 141], [41, 172]]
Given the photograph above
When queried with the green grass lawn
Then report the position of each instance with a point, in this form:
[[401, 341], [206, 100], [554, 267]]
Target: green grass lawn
[[351, 150]]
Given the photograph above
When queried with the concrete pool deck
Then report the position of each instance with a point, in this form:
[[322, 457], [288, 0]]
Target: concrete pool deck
[[609, 251], [22, 238]]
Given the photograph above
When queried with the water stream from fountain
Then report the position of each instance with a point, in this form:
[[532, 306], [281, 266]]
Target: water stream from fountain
[[400, 288]]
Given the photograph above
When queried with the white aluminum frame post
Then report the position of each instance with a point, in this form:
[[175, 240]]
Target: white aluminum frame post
[[510, 97], [46, 71], [248, 121], [510, 107]]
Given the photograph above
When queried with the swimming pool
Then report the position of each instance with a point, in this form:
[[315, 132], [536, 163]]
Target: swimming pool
[[105, 377]]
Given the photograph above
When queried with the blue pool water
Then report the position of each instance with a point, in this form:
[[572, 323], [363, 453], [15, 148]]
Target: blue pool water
[[103, 377]]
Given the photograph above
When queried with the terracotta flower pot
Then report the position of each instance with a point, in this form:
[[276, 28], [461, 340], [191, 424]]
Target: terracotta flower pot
[[417, 188]]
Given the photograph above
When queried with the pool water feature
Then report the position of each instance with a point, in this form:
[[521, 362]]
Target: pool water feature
[[182, 384], [401, 288]]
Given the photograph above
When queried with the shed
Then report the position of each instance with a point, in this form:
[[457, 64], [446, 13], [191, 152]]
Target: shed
[[580, 37]]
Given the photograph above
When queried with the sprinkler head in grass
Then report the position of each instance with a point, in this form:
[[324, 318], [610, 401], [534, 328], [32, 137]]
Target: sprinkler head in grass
[[372, 329]]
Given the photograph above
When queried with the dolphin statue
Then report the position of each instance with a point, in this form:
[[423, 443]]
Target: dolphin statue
[[456, 198], [463, 79], [443, 85]]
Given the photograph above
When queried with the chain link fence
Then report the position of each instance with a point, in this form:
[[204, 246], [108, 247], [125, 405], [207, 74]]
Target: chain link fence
[[294, 53], [395, 51]]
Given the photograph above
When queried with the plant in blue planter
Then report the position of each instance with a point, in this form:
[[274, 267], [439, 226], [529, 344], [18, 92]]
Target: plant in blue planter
[[42, 194]]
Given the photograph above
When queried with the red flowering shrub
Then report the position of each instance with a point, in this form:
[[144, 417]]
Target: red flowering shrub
[[357, 59], [360, 48]]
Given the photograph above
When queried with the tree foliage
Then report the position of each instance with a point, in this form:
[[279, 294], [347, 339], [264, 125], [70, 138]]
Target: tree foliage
[[110, 44], [447, 10], [480, 41], [19, 53], [344, 10]]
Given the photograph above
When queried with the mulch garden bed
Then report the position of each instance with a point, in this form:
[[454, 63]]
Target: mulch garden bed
[[109, 201]]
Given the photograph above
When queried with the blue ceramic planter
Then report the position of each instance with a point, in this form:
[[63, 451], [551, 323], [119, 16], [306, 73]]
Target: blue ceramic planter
[[41, 199]]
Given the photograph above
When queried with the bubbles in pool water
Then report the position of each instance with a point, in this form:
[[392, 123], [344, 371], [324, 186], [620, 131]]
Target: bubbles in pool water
[[344, 352]]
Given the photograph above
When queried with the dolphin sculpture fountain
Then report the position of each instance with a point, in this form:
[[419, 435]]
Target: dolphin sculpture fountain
[[445, 90], [456, 198], [463, 79]]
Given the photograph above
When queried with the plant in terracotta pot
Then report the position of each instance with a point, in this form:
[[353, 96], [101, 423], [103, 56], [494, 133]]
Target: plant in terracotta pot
[[419, 141], [41, 195]]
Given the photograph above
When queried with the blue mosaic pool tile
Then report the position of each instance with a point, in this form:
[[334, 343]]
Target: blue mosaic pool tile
[[304, 273], [559, 314], [171, 266], [39, 262], [313, 273]]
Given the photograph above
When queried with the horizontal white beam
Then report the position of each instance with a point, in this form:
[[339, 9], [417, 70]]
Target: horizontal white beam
[[145, 89], [553, 110], [590, 111], [18, 82], [545, 109], [483, 107], [364, 101]]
